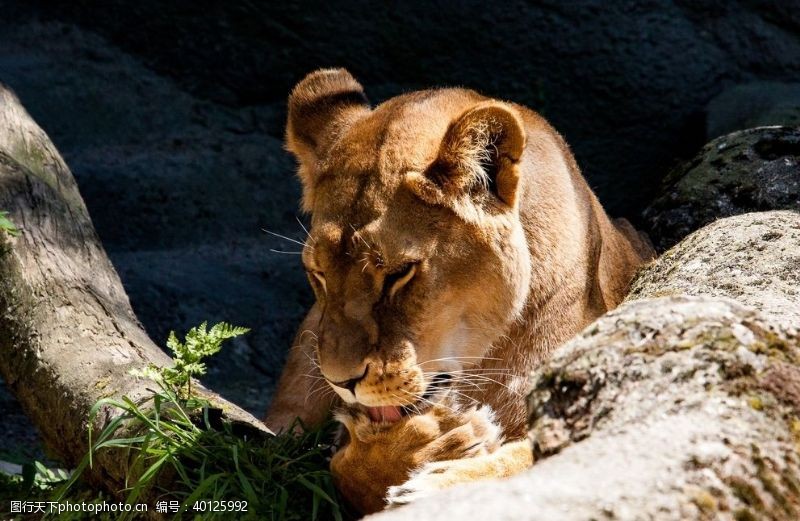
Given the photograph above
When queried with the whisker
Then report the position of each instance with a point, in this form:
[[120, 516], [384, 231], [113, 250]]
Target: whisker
[[286, 252], [324, 389], [459, 381], [466, 397], [301, 243], [355, 232], [313, 360], [476, 370], [303, 227], [310, 332], [457, 358], [493, 381], [429, 402], [464, 377]]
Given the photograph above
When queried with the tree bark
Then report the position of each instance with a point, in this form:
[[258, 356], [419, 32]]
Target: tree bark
[[68, 335]]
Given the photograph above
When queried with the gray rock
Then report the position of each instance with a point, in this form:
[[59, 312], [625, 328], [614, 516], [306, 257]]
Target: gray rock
[[753, 258], [179, 190], [755, 104], [746, 171]]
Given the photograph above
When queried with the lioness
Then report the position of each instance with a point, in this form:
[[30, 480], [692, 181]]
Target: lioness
[[453, 244]]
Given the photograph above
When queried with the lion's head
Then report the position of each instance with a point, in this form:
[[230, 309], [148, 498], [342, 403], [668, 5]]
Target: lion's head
[[416, 252]]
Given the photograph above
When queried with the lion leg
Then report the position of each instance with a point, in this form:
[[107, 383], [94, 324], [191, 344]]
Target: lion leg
[[508, 460], [302, 392]]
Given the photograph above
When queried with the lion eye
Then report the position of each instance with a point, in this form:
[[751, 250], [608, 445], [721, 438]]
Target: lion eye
[[317, 281], [395, 281]]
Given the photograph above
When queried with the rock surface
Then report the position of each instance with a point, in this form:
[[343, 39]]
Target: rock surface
[[68, 335], [672, 409], [669, 407], [626, 82], [179, 190], [752, 258], [746, 171]]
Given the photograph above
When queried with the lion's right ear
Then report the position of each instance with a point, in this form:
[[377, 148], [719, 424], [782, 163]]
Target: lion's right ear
[[320, 106]]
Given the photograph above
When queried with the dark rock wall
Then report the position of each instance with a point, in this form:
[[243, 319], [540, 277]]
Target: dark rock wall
[[626, 82]]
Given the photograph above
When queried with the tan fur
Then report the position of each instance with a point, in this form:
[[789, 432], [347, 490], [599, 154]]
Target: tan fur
[[444, 433], [451, 233]]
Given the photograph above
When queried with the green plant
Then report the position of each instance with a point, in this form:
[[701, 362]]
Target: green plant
[[37, 484], [7, 226], [188, 356], [179, 451]]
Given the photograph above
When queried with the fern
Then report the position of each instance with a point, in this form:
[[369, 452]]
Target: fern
[[199, 343]]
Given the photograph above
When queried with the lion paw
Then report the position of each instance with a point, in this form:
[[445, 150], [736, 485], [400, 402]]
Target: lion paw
[[382, 457], [432, 477], [425, 482]]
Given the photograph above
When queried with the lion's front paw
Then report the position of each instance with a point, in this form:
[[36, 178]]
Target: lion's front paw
[[425, 482], [432, 477]]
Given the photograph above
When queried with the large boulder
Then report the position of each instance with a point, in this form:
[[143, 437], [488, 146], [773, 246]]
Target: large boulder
[[676, 408], [670, 407], [746, 171]]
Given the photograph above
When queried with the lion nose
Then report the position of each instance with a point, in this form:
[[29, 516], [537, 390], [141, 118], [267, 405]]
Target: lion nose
[[350, 384]]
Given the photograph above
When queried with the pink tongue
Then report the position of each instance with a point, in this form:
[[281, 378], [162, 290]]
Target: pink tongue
[[385, 413]]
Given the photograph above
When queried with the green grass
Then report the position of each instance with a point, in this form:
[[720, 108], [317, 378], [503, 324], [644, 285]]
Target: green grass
[[283, 477], [181, 450], [38, 483]]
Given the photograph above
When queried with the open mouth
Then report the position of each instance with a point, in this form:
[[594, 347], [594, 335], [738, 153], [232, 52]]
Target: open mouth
[[395, 413]]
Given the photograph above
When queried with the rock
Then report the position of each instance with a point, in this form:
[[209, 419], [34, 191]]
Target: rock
[[68, 335], [626, 82], [746, 171], [755, 104], [753, 258], [671, 407]]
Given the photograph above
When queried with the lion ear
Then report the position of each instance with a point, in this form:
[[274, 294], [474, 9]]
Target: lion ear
[[481, 150], [320, 106]]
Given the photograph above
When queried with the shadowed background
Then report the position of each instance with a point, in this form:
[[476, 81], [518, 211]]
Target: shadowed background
[[171, 116]]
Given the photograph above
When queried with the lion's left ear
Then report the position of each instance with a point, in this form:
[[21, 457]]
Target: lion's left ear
[[481, 149]]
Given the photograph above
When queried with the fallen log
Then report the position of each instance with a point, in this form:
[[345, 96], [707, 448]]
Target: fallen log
[[68, 335]]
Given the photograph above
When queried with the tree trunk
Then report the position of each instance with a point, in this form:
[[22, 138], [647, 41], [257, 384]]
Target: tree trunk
[[68, 335]]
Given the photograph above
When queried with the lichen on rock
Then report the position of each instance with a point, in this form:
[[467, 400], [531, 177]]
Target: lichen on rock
[[746, 171], [753, 258], [675, 392], [652, 405]]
